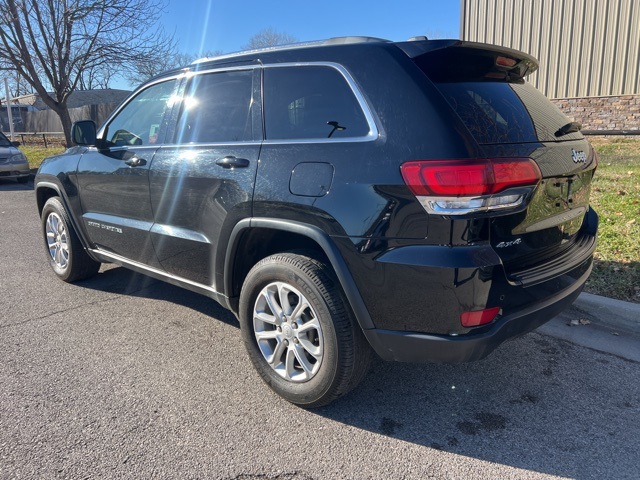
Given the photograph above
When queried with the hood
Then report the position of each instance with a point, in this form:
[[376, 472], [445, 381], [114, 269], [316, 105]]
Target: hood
[[6, 152]]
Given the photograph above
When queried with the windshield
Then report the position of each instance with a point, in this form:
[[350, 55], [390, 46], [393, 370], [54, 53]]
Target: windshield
[[4, 141]]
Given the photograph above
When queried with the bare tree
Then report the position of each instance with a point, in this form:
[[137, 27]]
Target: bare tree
[[18, 86], [53, 43], [98, 76], [151, 66], [268, 37]]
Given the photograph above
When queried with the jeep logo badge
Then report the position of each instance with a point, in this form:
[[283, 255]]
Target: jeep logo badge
[[578, 156]]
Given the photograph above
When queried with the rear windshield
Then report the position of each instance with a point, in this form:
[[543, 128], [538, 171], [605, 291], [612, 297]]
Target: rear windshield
[[494, 107], [501, 112]]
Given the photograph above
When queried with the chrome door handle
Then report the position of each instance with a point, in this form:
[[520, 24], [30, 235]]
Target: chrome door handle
[[135, 162]]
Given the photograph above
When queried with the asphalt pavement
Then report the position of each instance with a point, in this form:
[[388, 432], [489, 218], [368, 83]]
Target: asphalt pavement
[[122, 376]]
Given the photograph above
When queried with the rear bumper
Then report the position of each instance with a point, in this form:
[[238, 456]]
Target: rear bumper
[[403, 346]]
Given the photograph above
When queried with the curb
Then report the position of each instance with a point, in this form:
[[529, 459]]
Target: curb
[[608, 311]]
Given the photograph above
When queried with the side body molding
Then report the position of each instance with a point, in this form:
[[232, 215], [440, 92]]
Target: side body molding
[[322, 239]]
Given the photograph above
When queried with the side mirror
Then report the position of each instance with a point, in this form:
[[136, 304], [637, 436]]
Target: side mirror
[[15, 144], [84, 133]]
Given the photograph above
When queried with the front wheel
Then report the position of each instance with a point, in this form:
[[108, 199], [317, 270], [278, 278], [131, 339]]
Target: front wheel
[[67, 257], [299, 332]]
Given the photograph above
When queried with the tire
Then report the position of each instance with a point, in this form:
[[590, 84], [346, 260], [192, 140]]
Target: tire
[[67, 257], [310, 355]]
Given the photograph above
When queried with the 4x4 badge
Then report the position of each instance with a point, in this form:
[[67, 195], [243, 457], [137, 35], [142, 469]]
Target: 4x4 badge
[[578, 156], [517, 241]]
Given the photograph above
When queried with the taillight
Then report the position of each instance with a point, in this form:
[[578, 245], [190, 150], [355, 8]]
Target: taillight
[[456, 187]]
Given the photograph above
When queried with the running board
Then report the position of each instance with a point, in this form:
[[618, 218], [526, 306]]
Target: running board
[[138, 267]]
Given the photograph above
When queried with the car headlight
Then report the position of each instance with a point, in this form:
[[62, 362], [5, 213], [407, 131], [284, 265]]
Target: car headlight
[[18, 158]]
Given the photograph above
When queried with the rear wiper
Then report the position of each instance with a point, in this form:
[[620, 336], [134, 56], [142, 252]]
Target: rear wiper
[[570, 127], [336, 126]]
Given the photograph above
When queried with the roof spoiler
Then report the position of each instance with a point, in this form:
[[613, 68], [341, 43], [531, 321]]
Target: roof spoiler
[[457, 59]]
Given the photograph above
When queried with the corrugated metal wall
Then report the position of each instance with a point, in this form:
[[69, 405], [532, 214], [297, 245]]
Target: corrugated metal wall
[[586, 48]]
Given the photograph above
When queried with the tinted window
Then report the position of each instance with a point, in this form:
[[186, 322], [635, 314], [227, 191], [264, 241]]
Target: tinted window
[[4, 141], [491, 111], [216, 108], [500, 112], [310, 102], [138, 123]]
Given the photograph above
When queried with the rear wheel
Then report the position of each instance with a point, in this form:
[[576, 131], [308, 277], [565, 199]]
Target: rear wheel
[[67, 257], [299, 332]]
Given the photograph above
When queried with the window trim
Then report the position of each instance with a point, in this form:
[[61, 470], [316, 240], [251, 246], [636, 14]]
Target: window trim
[[373, 134], [181, 81]]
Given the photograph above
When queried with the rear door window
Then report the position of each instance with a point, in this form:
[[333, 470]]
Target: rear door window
[[310, 102], [217, 108]]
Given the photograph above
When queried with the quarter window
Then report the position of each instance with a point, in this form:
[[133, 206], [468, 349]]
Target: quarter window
[[310, 102], [216, 108], [138, 123]]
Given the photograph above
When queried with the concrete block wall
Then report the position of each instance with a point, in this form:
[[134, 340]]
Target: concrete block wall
[[603, 113]]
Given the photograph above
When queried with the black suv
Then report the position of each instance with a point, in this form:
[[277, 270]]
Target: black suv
[[414, 199]]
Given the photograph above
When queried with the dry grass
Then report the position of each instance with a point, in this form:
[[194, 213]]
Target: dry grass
[[36, 154], [616, 198]]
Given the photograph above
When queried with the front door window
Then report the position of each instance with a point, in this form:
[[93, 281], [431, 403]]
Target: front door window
[[139, 122]]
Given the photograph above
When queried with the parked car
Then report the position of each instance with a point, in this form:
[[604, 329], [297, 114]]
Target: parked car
[[13, 163], [414, 199]]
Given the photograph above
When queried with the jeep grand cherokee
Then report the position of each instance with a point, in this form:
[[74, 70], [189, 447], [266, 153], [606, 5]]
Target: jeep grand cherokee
[[416, 199]]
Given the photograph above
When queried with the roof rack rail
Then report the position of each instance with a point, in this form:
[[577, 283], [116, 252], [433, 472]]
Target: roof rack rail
[[292, 46], [354, 39]]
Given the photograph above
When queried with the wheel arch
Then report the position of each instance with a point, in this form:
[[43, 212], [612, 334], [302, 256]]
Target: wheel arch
[[46, 190], [258, 237]]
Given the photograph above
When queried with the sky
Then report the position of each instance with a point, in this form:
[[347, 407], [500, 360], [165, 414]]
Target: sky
[[227, 25], [223, 25]]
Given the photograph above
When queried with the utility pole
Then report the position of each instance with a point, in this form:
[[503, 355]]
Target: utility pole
[[9, 112]]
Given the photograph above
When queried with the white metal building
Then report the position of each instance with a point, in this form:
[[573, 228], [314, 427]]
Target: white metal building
[[589, 52]]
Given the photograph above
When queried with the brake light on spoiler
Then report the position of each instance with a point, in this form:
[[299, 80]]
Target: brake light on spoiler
[[463, 186]]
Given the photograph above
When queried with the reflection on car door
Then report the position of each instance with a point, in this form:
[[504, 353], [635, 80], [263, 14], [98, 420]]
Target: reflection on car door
[[114, 179], [203, 184]]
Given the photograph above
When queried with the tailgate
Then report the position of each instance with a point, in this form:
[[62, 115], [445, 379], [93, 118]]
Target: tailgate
[[508, 118]]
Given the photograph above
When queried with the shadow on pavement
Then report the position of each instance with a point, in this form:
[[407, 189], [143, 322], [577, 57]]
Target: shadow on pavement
[[10, 185], [119, 280], [525, 406]]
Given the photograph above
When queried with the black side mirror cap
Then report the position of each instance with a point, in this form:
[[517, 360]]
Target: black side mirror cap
[[15, 144], [84, 133]]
